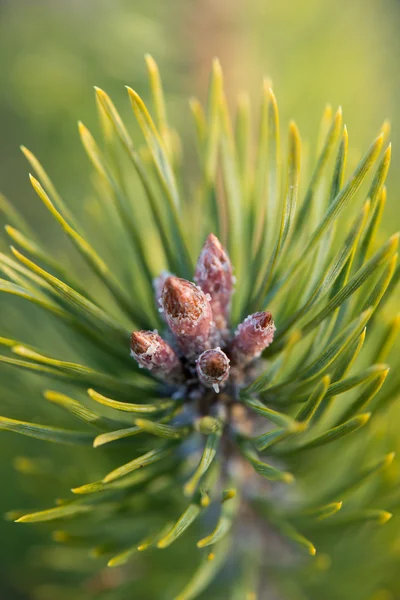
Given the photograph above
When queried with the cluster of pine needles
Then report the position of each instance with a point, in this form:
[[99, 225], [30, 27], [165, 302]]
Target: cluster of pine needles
[[298, 503]]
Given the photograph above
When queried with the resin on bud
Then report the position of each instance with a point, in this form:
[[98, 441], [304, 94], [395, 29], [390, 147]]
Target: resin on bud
[[187, 312], [213, 368], [158, 286], [214, 276], [252, 337], [153, 353]]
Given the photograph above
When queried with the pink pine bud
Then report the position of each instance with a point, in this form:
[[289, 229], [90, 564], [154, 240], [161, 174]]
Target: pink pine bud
[[251, 337], [214, 276], [154, 354], [187, 312], [213, 368]]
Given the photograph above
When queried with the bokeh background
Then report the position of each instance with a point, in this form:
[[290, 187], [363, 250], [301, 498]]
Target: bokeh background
[[52, 53]]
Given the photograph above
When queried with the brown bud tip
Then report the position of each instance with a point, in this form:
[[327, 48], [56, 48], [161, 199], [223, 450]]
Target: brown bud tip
[[252, 336], [214, 276], [187, 312], [153, 353], [213, 368]]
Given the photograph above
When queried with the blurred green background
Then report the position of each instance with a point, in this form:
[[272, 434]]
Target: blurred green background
[[52, 53]]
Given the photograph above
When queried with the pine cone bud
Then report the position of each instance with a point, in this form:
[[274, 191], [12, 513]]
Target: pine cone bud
[[213, 368], [153, 353], [251, 337], [187, 312], [214, 276]]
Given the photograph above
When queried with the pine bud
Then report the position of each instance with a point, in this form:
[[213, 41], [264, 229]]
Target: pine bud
[[154, 354], [213, 368], [187, 312], [251, 337], [214, 276]]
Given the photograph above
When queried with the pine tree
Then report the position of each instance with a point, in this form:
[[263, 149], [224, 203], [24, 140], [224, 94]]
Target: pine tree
[[224, 344]]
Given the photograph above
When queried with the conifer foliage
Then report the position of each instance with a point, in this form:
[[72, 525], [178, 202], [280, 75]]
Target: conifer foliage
[[225, 329]]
